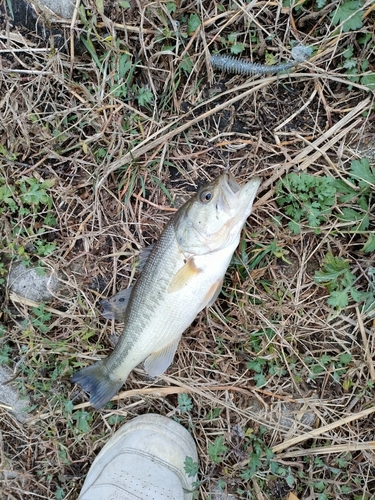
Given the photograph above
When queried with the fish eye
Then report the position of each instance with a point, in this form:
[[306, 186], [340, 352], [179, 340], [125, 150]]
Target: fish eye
[[206, 196]]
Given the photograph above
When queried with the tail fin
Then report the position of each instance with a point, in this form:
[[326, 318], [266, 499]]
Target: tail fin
[[95, 380]]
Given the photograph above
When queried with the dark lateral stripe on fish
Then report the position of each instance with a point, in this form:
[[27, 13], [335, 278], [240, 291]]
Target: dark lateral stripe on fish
[[94, 380]]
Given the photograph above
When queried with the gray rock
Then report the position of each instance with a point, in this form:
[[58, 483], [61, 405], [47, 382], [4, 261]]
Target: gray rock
[[293, 415], [37, 17], [287, 415], [31, 283], [10, 399], [62, 8]]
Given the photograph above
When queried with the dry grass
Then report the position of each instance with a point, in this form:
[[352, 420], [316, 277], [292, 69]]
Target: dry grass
[[117, 164]]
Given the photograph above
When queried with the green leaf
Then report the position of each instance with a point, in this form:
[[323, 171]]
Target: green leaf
[[124, 4], [348, 53], [87, 42], [187, 64], [365, 38], [83, 419], [365, 65], [256, 365], [124, 66], [191, 468], [339, 299], [6, 197], [217, 449], [294, 227], [100, 6], [369, 81], [253, 465], [308, 197], [345, 358], [325, 359], [194, 22], [237, 48], [356, 295], [290, 480], [360, 169], [350, 64], [59, 493], [5, 354], [171, 7], [328, 275], [332, 268], [145, 96], [348, 14], [351, 215], [260, 379], [35, 193], [369, 246], [185, 403]]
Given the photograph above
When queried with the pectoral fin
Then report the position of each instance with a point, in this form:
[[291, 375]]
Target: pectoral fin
[[213, 293], [115, 307], [183, 276], [158, 361]]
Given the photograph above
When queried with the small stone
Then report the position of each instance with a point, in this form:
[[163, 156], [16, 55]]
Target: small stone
[[62, 8], [292, 415], [10, 399], [31, 283], [216, 494]]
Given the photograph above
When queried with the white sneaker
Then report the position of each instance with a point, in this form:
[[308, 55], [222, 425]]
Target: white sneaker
[[143, 460]]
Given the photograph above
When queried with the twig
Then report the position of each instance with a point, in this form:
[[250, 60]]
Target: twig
[[322, 430], [365, 340]]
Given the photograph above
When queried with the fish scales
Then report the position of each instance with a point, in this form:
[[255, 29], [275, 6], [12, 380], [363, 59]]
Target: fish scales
[[182, 275], [147, 298]]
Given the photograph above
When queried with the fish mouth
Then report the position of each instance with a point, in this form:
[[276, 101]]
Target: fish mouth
[[233, 196]]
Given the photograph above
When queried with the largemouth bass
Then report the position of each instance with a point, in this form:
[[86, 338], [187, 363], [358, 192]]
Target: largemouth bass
[[183, 274]]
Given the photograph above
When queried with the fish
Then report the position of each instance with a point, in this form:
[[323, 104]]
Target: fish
[[183, 274]]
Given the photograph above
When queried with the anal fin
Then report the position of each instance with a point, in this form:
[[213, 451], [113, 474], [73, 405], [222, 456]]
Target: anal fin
[[158, 361]]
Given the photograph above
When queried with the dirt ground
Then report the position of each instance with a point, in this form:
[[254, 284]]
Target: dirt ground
[[108, 122]]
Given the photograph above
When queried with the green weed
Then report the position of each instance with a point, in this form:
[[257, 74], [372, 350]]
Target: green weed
[[185, 403], [337, 277], [5, 348], [311, 200], [356, 65], [232, 43], [191, 468], [338, 365], [41, 318], [82, 420], [193, 23], [348, 14], [217, 450], [264, 369], [305, 197], [7, 154], [27, 204], [213, 414]]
